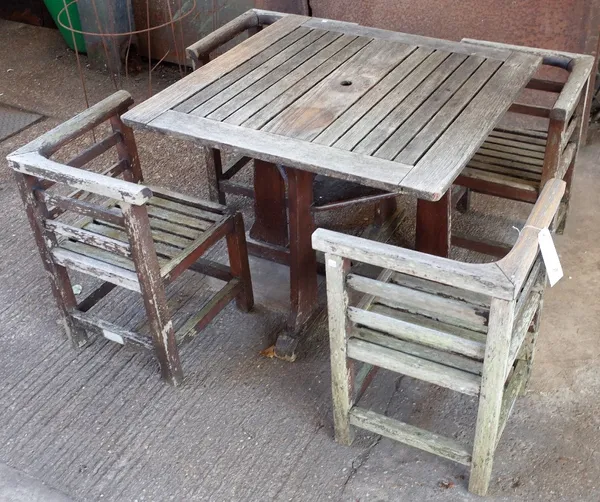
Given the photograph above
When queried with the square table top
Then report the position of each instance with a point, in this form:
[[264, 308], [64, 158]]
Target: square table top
[[399, 112]]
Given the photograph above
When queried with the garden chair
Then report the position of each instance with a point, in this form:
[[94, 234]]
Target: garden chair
[[471, 328], [129, 234]]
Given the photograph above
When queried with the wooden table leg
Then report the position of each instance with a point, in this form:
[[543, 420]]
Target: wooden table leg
[[270, 224], [303, 261], [434, 226]]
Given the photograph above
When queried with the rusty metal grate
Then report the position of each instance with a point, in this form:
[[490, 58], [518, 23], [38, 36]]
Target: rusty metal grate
[[13, 120]]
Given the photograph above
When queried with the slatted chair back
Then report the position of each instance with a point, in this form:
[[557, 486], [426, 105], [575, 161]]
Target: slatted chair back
[[468, 327], [516, 162]]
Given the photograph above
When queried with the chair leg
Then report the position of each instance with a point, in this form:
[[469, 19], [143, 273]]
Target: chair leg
[[153, 292], [238, 262], [342, 374], [491, 393], [59, 277]]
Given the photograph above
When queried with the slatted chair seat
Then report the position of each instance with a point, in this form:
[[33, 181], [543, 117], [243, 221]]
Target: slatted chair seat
[[512, 158], [470, 328], [127, 234]]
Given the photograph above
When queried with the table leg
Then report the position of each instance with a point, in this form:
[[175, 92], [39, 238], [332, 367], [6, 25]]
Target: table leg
[[303, 261], [434, 226], [270, 224]]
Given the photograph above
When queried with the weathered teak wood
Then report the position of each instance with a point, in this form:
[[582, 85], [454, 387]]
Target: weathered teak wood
[[517, 163], [469, 328], [395, 112], [130, 236]]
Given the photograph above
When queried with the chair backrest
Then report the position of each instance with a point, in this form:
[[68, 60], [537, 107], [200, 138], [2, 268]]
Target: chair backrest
[[460, 302], [51, 188]]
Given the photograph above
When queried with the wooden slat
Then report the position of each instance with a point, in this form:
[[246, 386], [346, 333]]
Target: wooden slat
[[521, 145], [313, 112], [306, 82], [215, 69], [428, 322], [406, 38], [41, 167], [410, 435], [423, 114], [288, 58], [95, 296], [90, 238], [505, 153], [413, 332], [179, 208], [402, 111], [102, 270], [278, 149], [435, 288], [95, 150], [276, 72], [486, 279], [442, 163], [532, 110], [99, 254], [397, 95], [447, 310], [497, 145], [208, 311], [120, 234], [371, 98], [195, 250], [288, 80], [111, 331], [180, 219], [427, 353], [241, 72], [414, 367], [414, 150], [189, 200], [491, 165], [480, 245], [521, 135], [111, 214]]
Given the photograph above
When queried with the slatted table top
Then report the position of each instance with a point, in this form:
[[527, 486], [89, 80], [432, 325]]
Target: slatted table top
[[399, 112]]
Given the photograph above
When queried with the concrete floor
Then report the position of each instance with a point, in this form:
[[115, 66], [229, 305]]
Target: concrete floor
[[99, 425]]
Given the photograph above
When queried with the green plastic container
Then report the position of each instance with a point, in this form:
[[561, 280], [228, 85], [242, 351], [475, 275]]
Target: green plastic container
[[55, 6]]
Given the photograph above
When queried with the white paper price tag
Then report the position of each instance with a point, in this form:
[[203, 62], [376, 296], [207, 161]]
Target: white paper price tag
[[550, 256]]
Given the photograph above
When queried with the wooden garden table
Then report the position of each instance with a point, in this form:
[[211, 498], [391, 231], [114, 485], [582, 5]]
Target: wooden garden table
[[398, 112]]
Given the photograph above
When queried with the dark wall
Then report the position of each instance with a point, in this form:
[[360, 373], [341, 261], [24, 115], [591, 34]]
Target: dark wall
[[26, 11]]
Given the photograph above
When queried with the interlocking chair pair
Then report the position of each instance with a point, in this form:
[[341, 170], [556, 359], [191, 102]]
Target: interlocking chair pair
[[471, 328], [129, 234]]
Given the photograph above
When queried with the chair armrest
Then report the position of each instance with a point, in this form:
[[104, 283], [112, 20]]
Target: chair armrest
[[517, 263], [51, 141], [34, 164], [578, 65], [198, 51], [486, 278], [580, 70]]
